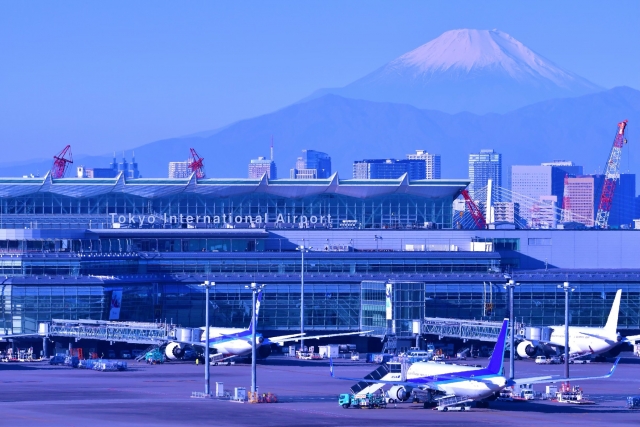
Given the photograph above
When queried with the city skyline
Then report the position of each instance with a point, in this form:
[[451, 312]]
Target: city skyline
[[97, 39]]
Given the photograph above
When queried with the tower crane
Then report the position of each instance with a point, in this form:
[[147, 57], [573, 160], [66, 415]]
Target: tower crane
[[475, 212], [61, 162], [611, 177], [197, 164]]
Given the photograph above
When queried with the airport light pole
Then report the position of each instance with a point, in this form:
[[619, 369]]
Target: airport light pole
[[255, 288], [302, 250], [511, 284], [207, 388], [567, 288]]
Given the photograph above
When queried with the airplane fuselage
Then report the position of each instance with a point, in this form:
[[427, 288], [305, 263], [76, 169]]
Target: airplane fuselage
[[476, 388], [231, 341], [582, 341]]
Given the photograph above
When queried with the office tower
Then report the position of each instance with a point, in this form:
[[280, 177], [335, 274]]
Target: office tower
[[179, 169], [388, 169], [258, 167], [432, 163], [533, 182], [623, 206], [484, 166], [312, 165], [567, 166], [580, 191]]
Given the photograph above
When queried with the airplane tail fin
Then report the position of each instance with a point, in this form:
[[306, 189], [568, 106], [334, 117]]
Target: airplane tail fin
[[496, 361], [612, 322], [258, 301]]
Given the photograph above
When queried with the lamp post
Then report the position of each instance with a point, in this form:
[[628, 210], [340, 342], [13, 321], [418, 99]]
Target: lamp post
[[567, 288], [207, 286], [255, 288], [302, 250], [510, 285]]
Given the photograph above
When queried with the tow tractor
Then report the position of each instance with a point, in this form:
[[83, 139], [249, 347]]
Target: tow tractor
[[370, 401]]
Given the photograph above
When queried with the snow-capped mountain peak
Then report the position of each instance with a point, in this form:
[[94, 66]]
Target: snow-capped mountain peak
[[479, 71], [475, 50]]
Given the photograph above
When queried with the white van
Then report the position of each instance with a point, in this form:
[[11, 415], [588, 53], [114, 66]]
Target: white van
[[541, 360]]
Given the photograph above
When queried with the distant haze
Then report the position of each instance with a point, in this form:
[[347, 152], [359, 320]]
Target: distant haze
[[477, 71], [579, 129]]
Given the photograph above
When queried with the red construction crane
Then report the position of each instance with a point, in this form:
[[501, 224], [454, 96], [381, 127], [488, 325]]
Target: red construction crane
[[611, 177], [197, 164], [476, 214], [61, 162]]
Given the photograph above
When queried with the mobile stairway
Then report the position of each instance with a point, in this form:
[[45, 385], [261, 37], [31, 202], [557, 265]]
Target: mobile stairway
[[391, 371], [453, 403]]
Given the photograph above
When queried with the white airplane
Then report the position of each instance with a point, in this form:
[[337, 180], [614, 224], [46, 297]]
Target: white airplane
[[463, 383], [231, 342], [584, 341]]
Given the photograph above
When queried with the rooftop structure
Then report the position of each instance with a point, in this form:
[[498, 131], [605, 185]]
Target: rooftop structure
[[367, 203], [179, 169]]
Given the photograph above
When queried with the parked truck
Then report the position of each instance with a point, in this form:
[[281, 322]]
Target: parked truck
[[370, 401]]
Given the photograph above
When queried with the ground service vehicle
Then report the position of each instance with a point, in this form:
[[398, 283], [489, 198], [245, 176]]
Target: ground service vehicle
[[370, 401]]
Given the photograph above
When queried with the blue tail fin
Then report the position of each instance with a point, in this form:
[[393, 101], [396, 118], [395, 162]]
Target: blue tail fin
[[258, 301], [497, 358]]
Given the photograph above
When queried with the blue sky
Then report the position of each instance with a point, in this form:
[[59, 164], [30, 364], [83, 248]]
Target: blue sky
[[106, 76]]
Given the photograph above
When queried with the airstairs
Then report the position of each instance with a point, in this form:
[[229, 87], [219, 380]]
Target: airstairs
[[365, 387], [452, 400]]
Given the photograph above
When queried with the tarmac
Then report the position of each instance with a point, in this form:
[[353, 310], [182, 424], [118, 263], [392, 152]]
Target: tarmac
[[36, 394]]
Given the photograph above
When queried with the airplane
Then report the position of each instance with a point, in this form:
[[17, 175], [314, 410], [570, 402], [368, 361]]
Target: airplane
[[583, 341], [233, 342], [464, 383]]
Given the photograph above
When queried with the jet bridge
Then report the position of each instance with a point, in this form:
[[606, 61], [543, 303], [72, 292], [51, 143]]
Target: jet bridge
[[464, 329], [130, 332]]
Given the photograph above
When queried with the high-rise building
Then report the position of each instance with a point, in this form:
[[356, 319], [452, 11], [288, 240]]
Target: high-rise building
[[179, 169], [623, 206], [485, 165], [312, 165], [260, 166], [432, 163], [581, 193], [533, 182], [388, 169]]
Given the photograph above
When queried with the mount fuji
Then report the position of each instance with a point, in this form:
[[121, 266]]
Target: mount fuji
[[478, 71]]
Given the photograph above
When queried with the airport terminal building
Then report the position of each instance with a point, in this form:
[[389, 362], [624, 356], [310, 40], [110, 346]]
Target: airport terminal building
[[76, 248]]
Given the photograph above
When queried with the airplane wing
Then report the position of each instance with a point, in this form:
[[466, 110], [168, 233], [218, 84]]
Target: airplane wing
[[555, 379], [297, 337], [633, 339]]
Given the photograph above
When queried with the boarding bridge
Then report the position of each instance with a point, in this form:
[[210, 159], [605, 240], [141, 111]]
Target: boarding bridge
[[130, 332], [464, 329]]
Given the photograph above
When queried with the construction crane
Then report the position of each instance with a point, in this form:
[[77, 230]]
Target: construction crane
[[475, 212], [611, 177], [61, 162], [197, 164]]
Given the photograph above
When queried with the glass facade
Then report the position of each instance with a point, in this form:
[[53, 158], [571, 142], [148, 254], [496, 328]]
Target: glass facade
[[319, 210]]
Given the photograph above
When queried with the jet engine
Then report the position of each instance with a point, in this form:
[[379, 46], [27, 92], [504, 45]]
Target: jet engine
[[264, 351], [526, 349], [399, 392], [174, 351]]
